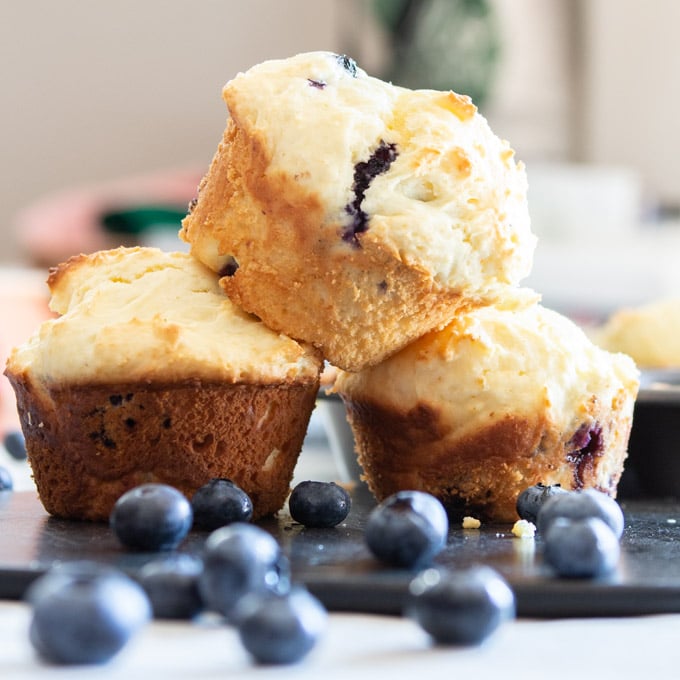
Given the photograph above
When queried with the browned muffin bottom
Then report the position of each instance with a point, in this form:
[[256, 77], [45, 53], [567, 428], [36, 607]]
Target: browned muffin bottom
[[483, 472], [89, 444]]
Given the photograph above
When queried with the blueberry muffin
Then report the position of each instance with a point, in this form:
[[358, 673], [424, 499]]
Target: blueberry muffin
[[150, 374], [356, 215], [649, 333], [507, 395]]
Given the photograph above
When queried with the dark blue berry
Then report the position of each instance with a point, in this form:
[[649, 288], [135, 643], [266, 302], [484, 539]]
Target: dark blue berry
[[364, 173], [529, 502], [348, 64], [281, 628], [85, 615], [6, 481], [460, 607], [151, 517], [581, 548], [585, 446], [319, 504], [230, 268], [15, 443], [239, 559], [407, 529], [581, 505], [220, 502], [172, 586]]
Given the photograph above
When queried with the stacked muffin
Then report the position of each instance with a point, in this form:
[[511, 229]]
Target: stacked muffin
[[356, 215], [151, 374], [388, 229]]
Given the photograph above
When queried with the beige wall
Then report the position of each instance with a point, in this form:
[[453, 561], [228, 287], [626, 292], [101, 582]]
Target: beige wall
[[93, 90], [631, 90]]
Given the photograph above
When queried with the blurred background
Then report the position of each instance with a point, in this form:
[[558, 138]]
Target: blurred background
[[112, 112]]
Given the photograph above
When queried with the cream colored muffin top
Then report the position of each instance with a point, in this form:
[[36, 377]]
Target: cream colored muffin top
[[650, 334], [142, 314], [512, 357], [453, 199]]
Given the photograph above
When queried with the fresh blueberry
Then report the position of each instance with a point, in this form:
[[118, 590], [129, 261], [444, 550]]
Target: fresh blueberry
[[15, 444], [319, 504], [348, 64], [82, 614], [460, 607], [581, 548], [151, 517], [220, 502], [239, 559], [171, 583], [407, 529], [6, 481], [529, 502], [581, 505], [365, 172], [281, 628]]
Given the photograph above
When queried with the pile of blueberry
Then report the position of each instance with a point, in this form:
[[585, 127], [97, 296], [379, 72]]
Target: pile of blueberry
[[84, 613], [580, 529]]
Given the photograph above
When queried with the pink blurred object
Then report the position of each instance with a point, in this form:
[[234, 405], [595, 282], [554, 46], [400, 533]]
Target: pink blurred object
[[69, 222], [24, 297], [55, 228]]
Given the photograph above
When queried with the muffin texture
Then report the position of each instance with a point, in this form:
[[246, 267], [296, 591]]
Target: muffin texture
[[650, 333], [353, 214], [508, 395], [150, 373]]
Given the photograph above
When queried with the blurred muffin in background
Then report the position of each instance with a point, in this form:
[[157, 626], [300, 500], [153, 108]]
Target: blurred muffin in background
[[650, 333]]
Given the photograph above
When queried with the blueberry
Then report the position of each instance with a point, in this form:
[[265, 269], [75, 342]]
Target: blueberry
[[364, 173], [151, 517], [407, 529], [281, 628], [581, 548], [348, 64], [15, 444], [580, 505], [6, 481], [530, 500], [460, 607], [239, 559], [220, 502], [85, 615], [319, 504], [171, 584]]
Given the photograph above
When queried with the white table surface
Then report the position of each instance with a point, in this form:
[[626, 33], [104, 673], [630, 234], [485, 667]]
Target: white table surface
[[366, 646]]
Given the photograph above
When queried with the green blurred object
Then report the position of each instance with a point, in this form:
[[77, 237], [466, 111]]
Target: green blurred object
[[143, 218], [442, 44]]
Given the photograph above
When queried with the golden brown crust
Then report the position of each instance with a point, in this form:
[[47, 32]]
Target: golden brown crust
[[483, 473], [367, 303], [89, 444]]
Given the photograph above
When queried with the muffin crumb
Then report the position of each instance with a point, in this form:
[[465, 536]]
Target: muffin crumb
[[522, 528], [471, 523]]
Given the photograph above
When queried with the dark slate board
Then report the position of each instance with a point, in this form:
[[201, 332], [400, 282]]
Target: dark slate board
[[337, 567]]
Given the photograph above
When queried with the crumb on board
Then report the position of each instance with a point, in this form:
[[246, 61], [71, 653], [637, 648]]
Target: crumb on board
[[471, 523], [524, 529]]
